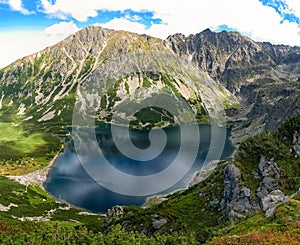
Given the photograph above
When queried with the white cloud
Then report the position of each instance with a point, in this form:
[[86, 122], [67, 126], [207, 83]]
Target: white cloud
[[294, 7], [132, 17], [124, 24], [61, 29], [250, 17], [17, 6], [189, 16], [16, 44], [78, 9]]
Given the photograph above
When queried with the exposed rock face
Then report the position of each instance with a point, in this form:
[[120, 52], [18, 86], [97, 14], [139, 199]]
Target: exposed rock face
[[271, 201], [114, 213], [269, 168], [158, 222], [296, 144], [237, 199], [225, 56], [268, 192], [270, 174], [264, 76]]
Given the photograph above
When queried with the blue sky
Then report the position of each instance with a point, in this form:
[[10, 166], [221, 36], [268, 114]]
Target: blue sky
[[27, 26], [36, 19]]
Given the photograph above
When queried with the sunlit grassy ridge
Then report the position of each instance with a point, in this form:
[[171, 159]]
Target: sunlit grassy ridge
[[14, 136], [24, 147]]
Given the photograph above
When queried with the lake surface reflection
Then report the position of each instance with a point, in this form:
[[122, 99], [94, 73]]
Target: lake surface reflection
[[68, 179]]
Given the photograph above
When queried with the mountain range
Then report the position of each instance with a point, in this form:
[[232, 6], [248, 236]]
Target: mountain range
[[103, 76], [256, 83]]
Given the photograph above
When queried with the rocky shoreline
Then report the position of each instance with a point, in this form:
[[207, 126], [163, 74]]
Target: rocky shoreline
[[198, 177], [38, 177]]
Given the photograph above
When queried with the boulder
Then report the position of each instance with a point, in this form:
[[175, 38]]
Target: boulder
[[114, 213], [237, 199], [296, 144], [268, 168], [271, 201], [158, 222]]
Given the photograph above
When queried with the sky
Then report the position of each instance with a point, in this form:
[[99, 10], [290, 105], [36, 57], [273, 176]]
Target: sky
[[27, 26]]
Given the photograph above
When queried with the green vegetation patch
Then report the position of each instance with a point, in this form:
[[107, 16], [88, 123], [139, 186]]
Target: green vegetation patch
[[15, 137], [283, 228], [152, 117], [23, 151], [276, 145]]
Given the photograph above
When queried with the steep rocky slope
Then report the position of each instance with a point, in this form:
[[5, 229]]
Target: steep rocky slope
[[103, 75], [44, 85], [263, 76], [43, 88]]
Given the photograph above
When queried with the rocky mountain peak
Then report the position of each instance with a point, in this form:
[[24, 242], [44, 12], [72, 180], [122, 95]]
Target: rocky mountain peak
[[263, 76]]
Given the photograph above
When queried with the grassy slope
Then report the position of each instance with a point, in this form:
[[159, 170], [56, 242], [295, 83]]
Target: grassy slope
[[274, 145], [65, 226], [26, 147], [192, 215], [284, 228], [193, 212]]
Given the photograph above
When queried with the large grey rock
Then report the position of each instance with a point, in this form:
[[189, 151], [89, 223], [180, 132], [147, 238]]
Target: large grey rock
[[270, 172], [296, 138], [114, 213], [296, 149], [237, 199], [268, 192], [271, 201], [266, 186], [269, 168], [296, 144], [158, 222]]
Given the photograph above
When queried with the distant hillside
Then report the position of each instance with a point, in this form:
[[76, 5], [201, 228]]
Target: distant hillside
[[263, 76], [101, 74]]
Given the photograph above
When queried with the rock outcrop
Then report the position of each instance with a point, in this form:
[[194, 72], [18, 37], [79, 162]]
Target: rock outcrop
[[296, 144], [263, 76], [238, 200], [158, 222], [271, 201], [114, 213], [268, 192]]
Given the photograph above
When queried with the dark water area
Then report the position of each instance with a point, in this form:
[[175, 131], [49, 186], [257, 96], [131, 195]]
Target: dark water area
[[77, 177]]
